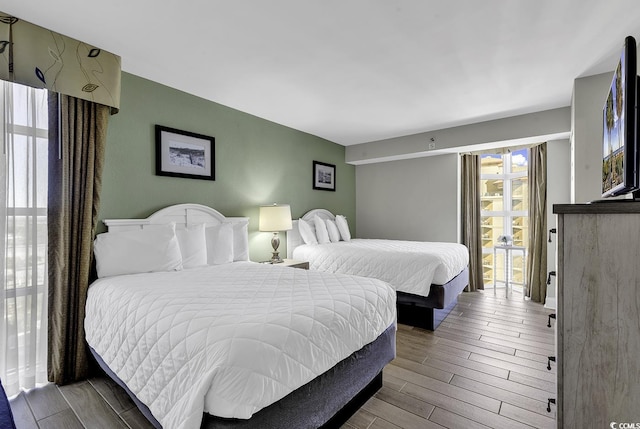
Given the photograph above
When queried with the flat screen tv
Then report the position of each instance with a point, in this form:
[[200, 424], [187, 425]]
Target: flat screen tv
[[620, 148]]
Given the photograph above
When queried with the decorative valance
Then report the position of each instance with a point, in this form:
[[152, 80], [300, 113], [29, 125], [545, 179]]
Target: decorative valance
[[37, 57]]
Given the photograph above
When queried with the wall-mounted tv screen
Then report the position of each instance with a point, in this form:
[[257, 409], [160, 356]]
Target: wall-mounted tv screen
[[619, 117]]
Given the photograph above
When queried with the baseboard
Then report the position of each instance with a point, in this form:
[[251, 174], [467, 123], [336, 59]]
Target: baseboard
[[550, 303]]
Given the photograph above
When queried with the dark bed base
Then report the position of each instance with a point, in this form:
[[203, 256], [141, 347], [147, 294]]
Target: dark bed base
[[325, 402], [423, 317], [428, 312], [6, 417], [345, 413]]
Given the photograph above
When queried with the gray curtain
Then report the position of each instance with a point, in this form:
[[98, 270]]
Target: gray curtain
[[471, 236], [78, 130], [537, 251]]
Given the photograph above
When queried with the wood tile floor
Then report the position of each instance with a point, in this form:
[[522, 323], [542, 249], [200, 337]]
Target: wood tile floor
[[484, 367]]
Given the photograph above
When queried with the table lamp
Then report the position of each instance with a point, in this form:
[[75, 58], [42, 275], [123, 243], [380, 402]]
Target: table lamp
[[275, 218]]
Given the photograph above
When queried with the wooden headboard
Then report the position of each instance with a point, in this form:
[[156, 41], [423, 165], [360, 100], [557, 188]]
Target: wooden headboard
[[182, 214], [293, 236]]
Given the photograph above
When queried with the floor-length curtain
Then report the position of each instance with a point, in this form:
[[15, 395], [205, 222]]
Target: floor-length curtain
[[76, 161], [537, 251], [23, 232], [471, 236]]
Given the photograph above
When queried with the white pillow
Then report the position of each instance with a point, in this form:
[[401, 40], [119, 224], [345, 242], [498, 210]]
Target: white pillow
[[308, 235], [321, 230], [240, 241], [219, 244], [332, 229], [343, 227], [193, 246], [137, 251]]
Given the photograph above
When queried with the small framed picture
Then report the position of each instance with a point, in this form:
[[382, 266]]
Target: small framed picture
[[184, 154], [324, 176]]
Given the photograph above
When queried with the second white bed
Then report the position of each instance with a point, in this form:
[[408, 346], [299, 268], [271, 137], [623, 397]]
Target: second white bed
[[409, 266]]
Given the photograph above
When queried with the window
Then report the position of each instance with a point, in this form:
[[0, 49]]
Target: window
[[504, 212], [23, 258]]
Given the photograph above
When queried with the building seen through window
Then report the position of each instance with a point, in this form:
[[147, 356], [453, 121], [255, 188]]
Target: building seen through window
[[504, 204]]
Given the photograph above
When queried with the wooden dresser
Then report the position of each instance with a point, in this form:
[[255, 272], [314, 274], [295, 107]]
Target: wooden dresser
[[598, 314]]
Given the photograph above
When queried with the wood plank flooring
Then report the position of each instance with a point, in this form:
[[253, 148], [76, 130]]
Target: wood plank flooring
[[484, 367]]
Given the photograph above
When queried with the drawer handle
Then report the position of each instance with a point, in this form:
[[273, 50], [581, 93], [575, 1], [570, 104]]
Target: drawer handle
[[551, 273]]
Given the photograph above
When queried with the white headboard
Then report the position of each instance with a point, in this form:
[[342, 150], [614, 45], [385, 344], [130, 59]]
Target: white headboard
[[182, 214], [293, 236]]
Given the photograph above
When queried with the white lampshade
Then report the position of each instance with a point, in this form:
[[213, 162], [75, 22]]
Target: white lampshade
[[276, 217]]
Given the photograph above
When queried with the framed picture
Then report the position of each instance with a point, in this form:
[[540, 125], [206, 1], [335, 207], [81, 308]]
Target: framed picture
[[184, 154], [324, 176]]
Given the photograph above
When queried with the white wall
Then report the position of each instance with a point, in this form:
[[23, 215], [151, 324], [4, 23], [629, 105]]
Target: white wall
[[523, 129], [414, 199], [589, 94], [558, 192]]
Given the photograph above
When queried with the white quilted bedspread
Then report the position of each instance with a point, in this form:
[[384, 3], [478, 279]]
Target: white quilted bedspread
[[229, 339], [408, 266]]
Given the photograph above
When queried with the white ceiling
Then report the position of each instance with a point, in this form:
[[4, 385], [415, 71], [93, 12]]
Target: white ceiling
[[355, 71]]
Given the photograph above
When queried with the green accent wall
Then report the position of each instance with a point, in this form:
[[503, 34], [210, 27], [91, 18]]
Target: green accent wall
[[257, 162]]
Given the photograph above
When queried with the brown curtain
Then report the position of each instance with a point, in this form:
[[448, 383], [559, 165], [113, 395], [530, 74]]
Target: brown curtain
[[537, 251], [471, 236], [78, 130]]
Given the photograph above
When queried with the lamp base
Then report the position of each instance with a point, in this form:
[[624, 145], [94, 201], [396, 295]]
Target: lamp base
[[275, 243]]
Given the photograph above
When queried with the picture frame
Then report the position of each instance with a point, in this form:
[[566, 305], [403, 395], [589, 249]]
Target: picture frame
[[184, 154], [324, 176]]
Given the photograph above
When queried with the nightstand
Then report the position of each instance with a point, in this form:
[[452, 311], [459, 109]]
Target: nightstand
[[294, 264]]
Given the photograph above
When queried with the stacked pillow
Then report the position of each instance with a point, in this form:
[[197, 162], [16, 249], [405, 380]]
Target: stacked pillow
[[165, 248], [322, 231], [343, 227], [332, 229]]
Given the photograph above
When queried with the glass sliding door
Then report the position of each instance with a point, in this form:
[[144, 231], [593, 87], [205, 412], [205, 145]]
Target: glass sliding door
[[23, 254], [504, 212]]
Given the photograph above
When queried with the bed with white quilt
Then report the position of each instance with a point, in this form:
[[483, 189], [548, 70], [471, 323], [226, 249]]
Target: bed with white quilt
[[428, 276], [201, 337]]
